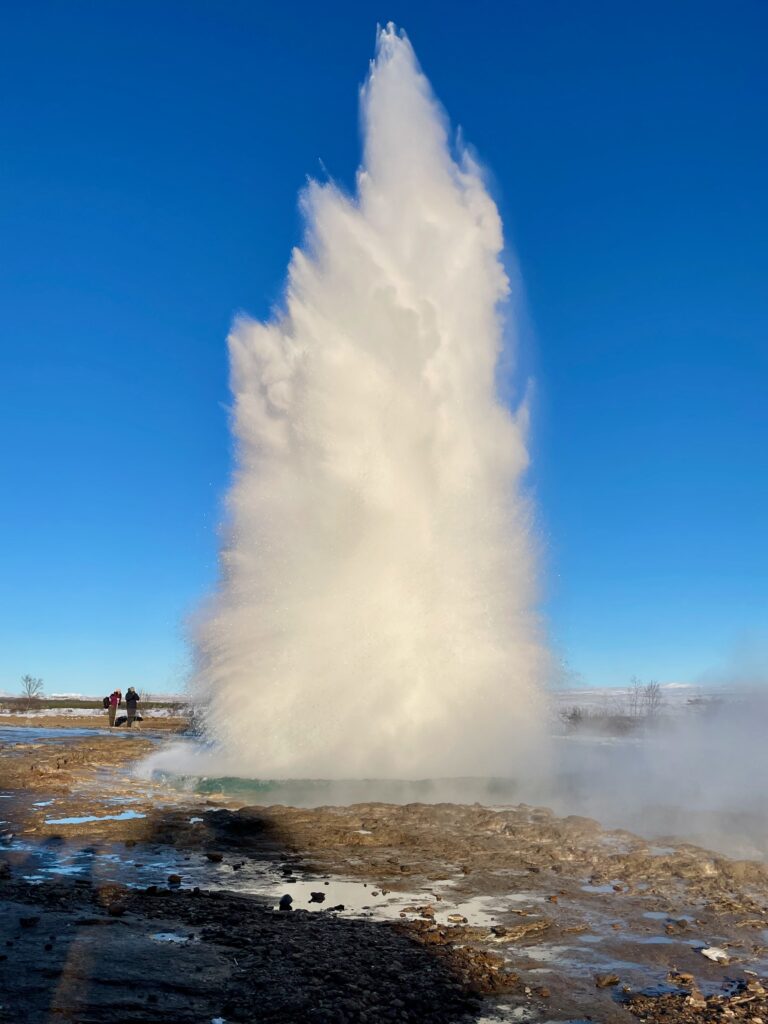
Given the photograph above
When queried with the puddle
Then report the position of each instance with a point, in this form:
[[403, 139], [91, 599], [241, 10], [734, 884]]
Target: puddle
[[359, 899], [662, 940], [485, 911], [661, 851], [181, 940], [123, 816], [583, 961], [353, 897], [42, 803], [545, 953], [67, 869]]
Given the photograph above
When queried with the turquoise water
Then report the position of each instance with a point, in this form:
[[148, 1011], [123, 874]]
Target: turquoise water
[[330, 792]]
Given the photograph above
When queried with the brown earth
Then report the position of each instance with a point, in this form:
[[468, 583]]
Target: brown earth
[[552, 917], [176, 724]]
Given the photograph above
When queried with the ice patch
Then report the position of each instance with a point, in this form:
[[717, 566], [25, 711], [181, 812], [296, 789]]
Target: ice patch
[[124, 816], [180, 940]]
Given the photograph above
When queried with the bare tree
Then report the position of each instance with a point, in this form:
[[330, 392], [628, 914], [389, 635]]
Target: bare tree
[[32, 689], [635, 698], [573, 716], [653, 698]]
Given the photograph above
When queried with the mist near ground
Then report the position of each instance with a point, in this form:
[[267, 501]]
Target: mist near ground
[[693, 769]]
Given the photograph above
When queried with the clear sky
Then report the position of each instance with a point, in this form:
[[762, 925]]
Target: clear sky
[[151, 157]]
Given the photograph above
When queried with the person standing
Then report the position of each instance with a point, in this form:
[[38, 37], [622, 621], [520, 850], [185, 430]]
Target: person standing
[[131, 703], [114, 703]]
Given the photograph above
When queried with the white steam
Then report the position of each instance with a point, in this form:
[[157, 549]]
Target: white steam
[[375, 611]]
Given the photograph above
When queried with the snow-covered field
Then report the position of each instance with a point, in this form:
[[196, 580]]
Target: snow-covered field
[[675, 698]]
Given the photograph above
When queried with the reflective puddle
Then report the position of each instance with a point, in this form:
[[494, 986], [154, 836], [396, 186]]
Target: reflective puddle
[[86, 819]]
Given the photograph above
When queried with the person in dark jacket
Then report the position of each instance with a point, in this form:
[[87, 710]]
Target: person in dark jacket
[[131, 703]]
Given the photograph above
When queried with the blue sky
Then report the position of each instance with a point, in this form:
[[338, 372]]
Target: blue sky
[[152, 155]]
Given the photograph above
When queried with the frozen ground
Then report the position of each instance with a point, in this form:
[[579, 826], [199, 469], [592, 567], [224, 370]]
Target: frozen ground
[[75, 712], [677, 698]]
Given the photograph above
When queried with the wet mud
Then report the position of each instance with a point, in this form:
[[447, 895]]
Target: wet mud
[[124, 899]]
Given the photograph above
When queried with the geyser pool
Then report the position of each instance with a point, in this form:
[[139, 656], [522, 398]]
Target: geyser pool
[[375, 612]]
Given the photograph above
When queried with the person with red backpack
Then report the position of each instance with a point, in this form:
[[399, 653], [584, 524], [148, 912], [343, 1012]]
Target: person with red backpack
[[112, 703]]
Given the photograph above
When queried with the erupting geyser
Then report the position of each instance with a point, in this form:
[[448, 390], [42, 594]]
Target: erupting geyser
[[375, 612]]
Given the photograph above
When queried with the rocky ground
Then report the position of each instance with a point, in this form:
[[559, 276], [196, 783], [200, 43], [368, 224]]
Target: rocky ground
[[124, 900]]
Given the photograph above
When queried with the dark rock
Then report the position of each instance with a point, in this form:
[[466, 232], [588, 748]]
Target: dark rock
[[214, 856], [285, 902], [174, 880], [317, 897], [29, 922], [606, 980]]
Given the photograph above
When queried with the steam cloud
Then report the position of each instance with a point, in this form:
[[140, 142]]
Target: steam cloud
[[374, 616]]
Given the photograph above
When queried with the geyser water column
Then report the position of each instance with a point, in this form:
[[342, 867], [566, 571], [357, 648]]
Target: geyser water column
[[375, 612]]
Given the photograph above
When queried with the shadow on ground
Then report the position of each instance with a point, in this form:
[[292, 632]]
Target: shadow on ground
[[76, 949]]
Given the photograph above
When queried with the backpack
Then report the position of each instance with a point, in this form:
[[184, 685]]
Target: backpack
[[105, 702]]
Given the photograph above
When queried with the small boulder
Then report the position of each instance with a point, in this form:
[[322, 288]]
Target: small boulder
[[606, 980]]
